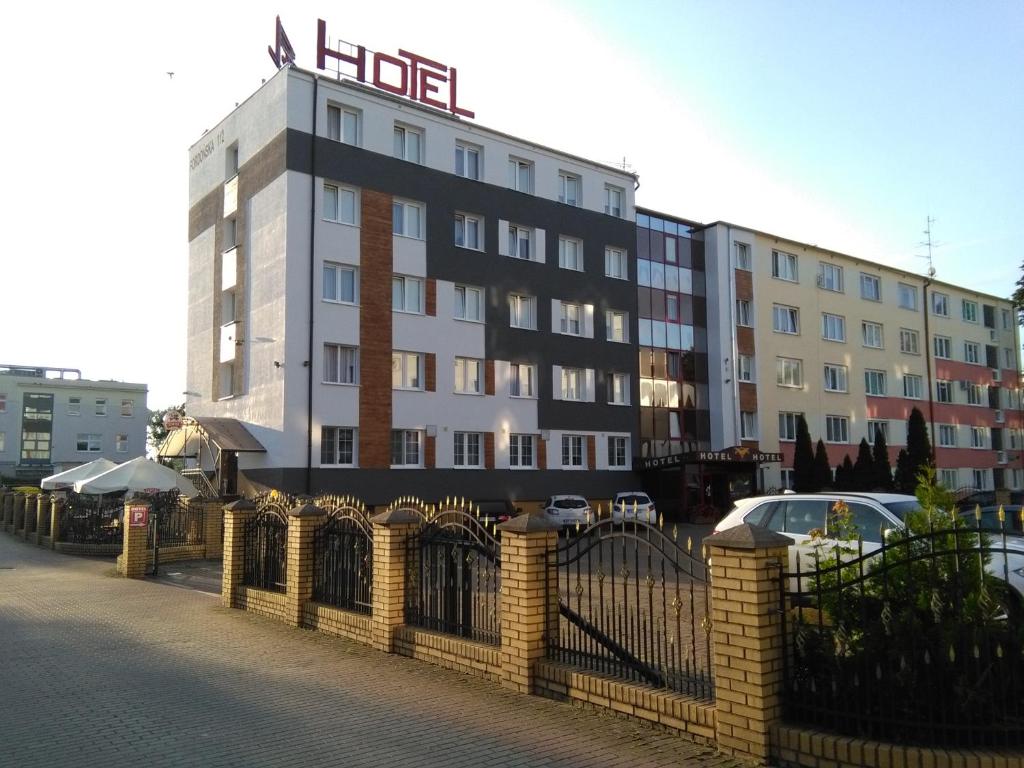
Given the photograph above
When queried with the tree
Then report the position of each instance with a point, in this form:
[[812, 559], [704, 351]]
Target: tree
[[880, 463], [863, 468], [155, 429], [822, 469], [803, 459], [919, 447], [1018, 297], [847, 475], [840, 481], [905, 481]]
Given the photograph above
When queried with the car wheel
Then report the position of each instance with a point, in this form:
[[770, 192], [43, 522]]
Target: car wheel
[[1009, 605]]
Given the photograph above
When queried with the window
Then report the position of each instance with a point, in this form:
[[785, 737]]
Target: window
[[874, 427], [943, 347], [469, 303], [568, 188], [948, 478], [89, 442], [227, 380], [785, 319], [340, 283], [338, 446], [467, 449], [407, 219], [947, 435], [971, 352], [837, 429], [520, 175], [743, 256], [522, 311], [616, 325], [467, 161], [521, 451], [1005, 313], [617, 451], [870, 287], [969, 311], [871, 334], [784, 266], [672, 307], [979, 437], [344, 124], [874, 382], [1007, 358], [405, 447], [406, 370], [944, 391], [830, 277], [745, 368], [339, 204], [979, 478], [572, 450], [467, 376], [613, 197], [230, 234], [789, 372], [835, 378], [748, 425], [786, 478], [101, 406], [787, 426], [407, 294], [973, 393], [909, 342], [522, 380], [618, 388], [833, 327], [571, 319], [907, 296], [469, 231], [120, 443], [127, 407], [231, 162], [572, 384], [743, 314], [671, 256], [341, 364], [615, 263], [940, 304], [912, 386], [74, 406], [3, 441], [408, 143], [570, 253], [3, 402], [519, 242]]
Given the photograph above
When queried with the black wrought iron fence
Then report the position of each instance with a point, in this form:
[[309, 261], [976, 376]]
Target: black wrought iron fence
[[633, 603], [87, 519], [265, 539], [343, 556], [454, 577], [175, 522], [918, 641]]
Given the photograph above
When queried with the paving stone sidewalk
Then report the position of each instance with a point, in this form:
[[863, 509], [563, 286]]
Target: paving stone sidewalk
[[101, 671]]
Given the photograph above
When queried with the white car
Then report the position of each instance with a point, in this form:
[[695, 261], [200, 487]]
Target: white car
[[629, 506], [567, 510]]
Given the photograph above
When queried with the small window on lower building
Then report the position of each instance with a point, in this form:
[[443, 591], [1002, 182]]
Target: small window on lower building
[[338, 446], [406, 448], [618, 450], [572, 450], [521, 451], [467, 449], [121, 444]]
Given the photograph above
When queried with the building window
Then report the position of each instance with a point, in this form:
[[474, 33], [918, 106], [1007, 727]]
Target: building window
[[835, 378], [874, 427], [74, 406], [408, 143], [745, 368], [3, 442], [469, 303], [784, 266], [572, 384], [341, 364], [974, 393], [787, 426], [907, 296], [339, 204], [871, 334], [742, 256], [743, 313], [338, 446], [101, 406], [833, 327], [521, 451], [520, 241], [407, 294], [1007, 358], [467, 161], [617, 451], [789, 372], [874, 382], [406, 370], [785, 319], [340, 283], [672, 307], [912, 386], [571, 319], [971, 352], [89, 442], [572, 450], [616, 325], [943, 347], [618, 389], [467, 449], [944, 391], [830, 277], [407, 219], [568, 188], [671, 257], [615, 263], [948, 478], [613, 200], [940, 304], [344, 124], [520, 175], [786, 478], [837, 429], [979, 437], [947, 435], [467, 376], [522, 380], [127, 408], [909, 342], [469, 231], [522, 311], [570, 253], [870, 287], [3, 402], [748, 425], [406, 447], [1005, 313], [970, 311], [120, 443], [980, 478]]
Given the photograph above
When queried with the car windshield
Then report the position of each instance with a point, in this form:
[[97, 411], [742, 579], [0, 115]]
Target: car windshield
[[902, 508], [634, 498], [569, 503]]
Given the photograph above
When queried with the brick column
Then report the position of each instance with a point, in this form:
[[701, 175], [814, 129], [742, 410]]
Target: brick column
[[29, 519], [747, 637], [56, 505], [19, 513], [526, 597], [303, 520], [42, 513], [236, 515], [134, 560], [213, 527], [6, 508], [391, 531]]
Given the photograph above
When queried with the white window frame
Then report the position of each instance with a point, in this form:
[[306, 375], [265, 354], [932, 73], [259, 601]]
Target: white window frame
[[870, 287], [940, 304], [464, 151], [875, 380], [830, 277], [465, 292], [949, 479], [742, 256], [92, 442], [979, 437], [120, 443], [517, 167], [467, 439], [972, 352], [744, 313], [610, 206], [833, 327], [345, 368], [341, 134], [947, 436], [401, 226], [836, 378], [618, 389], [74, 406], [789, 372], [574, 447], [745, 368], [3, 402], [942, 347], [417, 436], [101, 406], [127, 407], [406, 304], [403, 148], [573, 385], [910, 341], [785, 266], [517, 236], [469, 228], [332, 276], [868, 330], [837, 429], [463, 376], [912, 386], [969, 310], [873, 425], [516, 443], [616, 326], [570, 247], [975, 395], [566, 194], [906, 296], [618, 445], [787, 425], [407, 365], [789, 317], [335, 446], [748, 425], [616, 263], [517, 303], [943, 386], [338, 215], [520, 374], [571, 319]]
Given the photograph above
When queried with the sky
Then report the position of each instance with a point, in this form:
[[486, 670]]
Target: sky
[[844, 125]]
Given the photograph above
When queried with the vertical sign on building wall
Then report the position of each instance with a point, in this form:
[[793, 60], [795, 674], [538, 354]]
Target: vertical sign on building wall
[[282, 53]]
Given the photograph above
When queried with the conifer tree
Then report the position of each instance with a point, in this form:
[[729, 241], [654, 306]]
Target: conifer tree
[[919, 447], [863, 468], [803, 459], [822, 469], [880, 463]]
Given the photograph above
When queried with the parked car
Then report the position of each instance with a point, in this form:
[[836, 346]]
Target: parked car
[[628, 506], [496, 511], [567, 510], [990, 518]]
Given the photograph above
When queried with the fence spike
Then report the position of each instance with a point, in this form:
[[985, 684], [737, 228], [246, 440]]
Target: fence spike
[[977, 512], [1002, 514], [661, 522]]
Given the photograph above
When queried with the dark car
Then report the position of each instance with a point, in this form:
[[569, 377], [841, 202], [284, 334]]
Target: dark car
[[496, 511], [990, 518]]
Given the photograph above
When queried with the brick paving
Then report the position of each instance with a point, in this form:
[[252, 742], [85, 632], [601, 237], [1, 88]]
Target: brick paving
[[101, 671]]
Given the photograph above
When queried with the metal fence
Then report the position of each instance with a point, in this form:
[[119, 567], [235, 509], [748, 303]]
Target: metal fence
[[264, 542], [633, 603], [918, 642], [87, 519], [343, 555], [175, 522]]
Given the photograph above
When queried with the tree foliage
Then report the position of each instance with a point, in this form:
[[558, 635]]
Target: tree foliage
[[803, 459], [905, 481], [1018, 297], [822, 469], [880, 463], [863, 468], [919, 447]]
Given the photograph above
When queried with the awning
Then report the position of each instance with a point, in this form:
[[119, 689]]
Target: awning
[[225, 434]]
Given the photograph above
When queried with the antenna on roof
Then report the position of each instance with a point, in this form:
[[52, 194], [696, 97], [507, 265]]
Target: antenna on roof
[[929, 243]]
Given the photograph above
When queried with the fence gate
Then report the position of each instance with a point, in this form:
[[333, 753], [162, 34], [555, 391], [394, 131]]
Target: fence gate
[[343, 555], [633, 603], [264, 543]]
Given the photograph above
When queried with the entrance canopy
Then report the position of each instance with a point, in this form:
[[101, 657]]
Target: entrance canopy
[[63, 481]]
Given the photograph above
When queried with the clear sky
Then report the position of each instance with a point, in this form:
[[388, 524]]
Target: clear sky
[[838, 124]]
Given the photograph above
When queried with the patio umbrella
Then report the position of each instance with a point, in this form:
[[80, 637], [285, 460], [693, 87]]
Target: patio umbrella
[[138, 475], [62, 481]]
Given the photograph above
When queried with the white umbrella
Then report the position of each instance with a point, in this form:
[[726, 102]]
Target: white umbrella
[[64, 480], [139, 474]]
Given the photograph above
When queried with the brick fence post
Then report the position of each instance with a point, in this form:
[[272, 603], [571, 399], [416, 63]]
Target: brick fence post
[[747, 637], [18, 522], [303, 521], [56, 505], [134, 560], [528, 590], [6, 508], [213, 527], [391, 532], [31, 505], [236, 515], [42, 513]]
